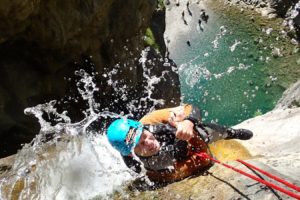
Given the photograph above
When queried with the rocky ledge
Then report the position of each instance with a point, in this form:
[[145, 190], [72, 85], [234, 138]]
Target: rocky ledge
[[287, 9]]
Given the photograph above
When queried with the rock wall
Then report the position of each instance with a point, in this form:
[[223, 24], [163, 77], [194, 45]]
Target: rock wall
[[280, 6], [288, 9], [273, 148], [158, 25], [290, 98], [40, 41]]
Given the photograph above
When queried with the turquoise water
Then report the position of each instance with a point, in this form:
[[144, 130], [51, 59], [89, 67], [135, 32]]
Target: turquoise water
[[227, 78]]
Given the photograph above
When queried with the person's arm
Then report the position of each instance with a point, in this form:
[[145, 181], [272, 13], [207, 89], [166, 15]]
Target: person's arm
[[177, 114], [185, 123], [132, 163], [182, 117], [194, 115], [156, 117]]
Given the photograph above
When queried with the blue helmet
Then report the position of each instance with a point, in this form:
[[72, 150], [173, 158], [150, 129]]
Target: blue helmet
[[124, 134]]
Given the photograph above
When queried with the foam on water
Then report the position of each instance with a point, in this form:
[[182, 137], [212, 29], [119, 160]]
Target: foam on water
[[76, 168], [233, 63]]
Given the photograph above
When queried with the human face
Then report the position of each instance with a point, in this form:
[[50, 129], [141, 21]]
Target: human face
[[147, 145]]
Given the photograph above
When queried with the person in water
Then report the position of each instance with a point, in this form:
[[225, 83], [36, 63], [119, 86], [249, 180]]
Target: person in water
[[166, 141]]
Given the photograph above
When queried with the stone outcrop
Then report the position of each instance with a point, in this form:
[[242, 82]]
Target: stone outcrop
[[41, 40], [280, 6], [290, 98], [158, 25], [219, 183], [273, 148], [287, 9]]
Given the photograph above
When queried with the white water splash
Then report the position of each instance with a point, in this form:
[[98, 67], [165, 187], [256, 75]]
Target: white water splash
[[75, 163], [194, 74], [81, 168], [222, 32], [148, 88], [68, 161], [151, 80], [232, 48], [199, 74]]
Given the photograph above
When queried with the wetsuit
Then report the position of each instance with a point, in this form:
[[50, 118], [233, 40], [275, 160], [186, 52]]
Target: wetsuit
[[176, 158]]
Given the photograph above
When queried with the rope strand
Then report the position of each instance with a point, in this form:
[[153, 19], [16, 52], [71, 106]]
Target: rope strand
[[291, 185], [203, 155]]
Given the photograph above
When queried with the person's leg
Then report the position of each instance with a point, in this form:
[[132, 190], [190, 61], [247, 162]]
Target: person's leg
[[241, 134], [215, 132], [212, 132]]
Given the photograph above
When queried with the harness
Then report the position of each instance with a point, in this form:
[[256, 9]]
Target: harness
[[172, 149]]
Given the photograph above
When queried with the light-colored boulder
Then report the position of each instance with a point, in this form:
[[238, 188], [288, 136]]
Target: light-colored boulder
[[276, 139], [290, 98]]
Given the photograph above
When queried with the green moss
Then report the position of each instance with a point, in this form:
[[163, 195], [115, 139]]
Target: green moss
[[161, 5], [257, 113], [150, 40]]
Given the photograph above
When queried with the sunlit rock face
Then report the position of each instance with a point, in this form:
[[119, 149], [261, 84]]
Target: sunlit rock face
[[288, 9], [273, 148], [290, 98], [281, 6], [41, 40]]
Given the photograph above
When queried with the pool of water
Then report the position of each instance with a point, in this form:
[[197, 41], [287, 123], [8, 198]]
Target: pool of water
[[224, 70]]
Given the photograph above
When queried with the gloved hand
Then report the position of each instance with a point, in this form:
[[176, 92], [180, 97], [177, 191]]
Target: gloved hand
[[185, 128]]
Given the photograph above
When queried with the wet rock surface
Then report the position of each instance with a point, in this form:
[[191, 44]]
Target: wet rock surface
[[218, 183], [278, 156], [274, 148], [43, 43]]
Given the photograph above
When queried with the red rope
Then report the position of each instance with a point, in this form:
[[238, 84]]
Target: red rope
[[295, 187], [203, 155]]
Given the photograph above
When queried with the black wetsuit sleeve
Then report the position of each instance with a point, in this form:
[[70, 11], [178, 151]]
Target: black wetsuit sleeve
[[195, 115], [165, 134], [132, 163]]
